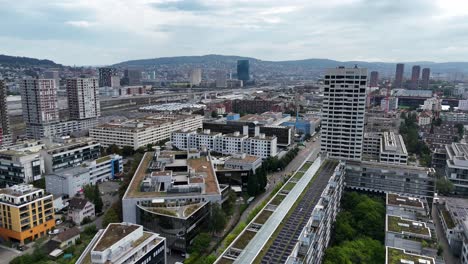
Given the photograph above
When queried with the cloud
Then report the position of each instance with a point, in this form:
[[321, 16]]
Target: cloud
[[115, 30], [79, 23]]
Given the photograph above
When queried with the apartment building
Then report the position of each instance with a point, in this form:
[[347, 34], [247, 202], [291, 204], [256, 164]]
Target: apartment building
[[67, 182], [343, 112], [5, 133], [26, 213], [454, 117], [124, 243], [392, 149], [83, 98], [105, 77], [20, 166], [80, 209], [456, 169], [260, 146], [141, 132]]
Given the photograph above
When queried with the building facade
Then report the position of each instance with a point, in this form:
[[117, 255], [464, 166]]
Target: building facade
[[400, 69], [67, 182], [374, 79], [83, 98], [79, 209], [243, 70], [426, 73], [27, 213], [105, 76], [195, 76], [18, 166], [415, 75], [343, 113], [5, 133]]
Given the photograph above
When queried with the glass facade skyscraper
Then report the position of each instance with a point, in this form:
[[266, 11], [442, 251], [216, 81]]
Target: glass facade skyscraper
[[243, 70]]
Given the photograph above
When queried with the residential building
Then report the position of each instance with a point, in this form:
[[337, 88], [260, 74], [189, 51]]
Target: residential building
[[243, 70], [389, 104], [79, 209], [105, 77], [27, 213], [457, 166], [426, 73], [382, 121], [315, 236], [424, 118], [374, 79], [454, 117], [171, 194], [195, 77], [258, 106], [397, 178], [260, 146], [141, 132], [393, 149], [132, 77], [415, 75], [5, 133], [463, 105], [124, 243], [67, 182], [68, 237], [243, 162], [432, 104], [400, 69], [40, 106], [83, 98], [343, 113]]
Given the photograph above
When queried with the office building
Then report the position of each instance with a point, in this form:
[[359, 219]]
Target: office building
[[170, 194], [426, 73], [40, 106], [415, 76], [5, 133], [397, 178], [243, 71], [20, 166], [124, 243], [27, 213], [343, 112], [106, 76], [195, 77], [454, 117], [385, 147], [400, 69], [141, 132], [457, 166], [374, 79], [83, 98], [132, 77], [243, 162], [221, 79]]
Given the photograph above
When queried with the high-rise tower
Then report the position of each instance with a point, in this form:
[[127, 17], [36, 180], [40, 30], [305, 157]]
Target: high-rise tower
[[343, 112], [5, 136], [400, 68], [83, 98], [426, 73], [105, 77], [243, 70], [415, 74]]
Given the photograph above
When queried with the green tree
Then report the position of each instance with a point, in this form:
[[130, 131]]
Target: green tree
[[218, 218], [127, 151], [252, 184], [98, 204], [113, 149], [110, 217], [89, 193], [364, 250], [200, 243], [460, 130], [444, 186]]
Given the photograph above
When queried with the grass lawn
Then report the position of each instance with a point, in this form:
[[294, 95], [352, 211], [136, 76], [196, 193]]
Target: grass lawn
[[448, 219], [278, 199], [306, 166], [393, 222], [289, 186], [298, 175]]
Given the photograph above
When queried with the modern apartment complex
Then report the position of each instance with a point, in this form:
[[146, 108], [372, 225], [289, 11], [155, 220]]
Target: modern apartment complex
[[456, 169], [171, 193], [141, 132], [5, 133], [343, 112], [26, 213], [124, 243], [83, 98], [260, 146], [40, 107]]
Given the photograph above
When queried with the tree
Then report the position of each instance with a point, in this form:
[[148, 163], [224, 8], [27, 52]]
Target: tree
[[127, 151], [214, 114], [252, 184], [98, 204], [460, 130], [89, 193], [444, 186], [113, 149], [364, 250], [200, 243], [218, 218], [437, 121], [110, 217]]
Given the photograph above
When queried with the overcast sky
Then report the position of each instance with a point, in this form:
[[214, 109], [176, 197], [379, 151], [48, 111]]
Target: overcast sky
[[98, 32]]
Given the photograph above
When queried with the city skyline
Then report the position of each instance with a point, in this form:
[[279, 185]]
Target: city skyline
[[90, 33]]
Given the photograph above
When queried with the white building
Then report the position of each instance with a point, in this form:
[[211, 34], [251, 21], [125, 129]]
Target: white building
[[343, 112], [432, 104], [20, 166], [243, 162], [221, 79], [79, 209], [424, 118], [141, 132], [391, 103], [124, 243], [83, 98], [463, 105], [195, 76], [457, 166], [393, 149], [260, 146], [455, 117], [67, 181]]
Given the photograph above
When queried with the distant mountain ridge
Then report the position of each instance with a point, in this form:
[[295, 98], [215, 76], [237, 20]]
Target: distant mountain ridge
[[25, 61], [309, 64]]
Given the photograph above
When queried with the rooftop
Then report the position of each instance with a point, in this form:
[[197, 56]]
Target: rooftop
[[140, 124], [399, 256], [246, 159], [113, 234], [19, 190], [399, 200], [405, 226]]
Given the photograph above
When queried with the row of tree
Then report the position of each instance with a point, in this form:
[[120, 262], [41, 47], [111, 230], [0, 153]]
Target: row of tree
[[257, 181], [359, 231], [409, 132]]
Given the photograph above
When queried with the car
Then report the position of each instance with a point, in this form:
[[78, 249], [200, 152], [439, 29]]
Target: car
[[58, 222], [54, 232], [21, 248]]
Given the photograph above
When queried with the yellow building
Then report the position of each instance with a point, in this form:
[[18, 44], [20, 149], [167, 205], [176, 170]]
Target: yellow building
[[26, 213]]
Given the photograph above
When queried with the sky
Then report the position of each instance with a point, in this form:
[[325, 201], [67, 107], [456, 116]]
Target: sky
[[101, 32]]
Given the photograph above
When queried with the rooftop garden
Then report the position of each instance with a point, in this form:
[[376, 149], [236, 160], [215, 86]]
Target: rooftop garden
[[190, 209], [289, 186], [244, 239], [103, 159], [263, 217], [164, 211], [395, 256], [448, 218], [306, 166], [278, 199], [399, 225], [298, 175], [395, 199]]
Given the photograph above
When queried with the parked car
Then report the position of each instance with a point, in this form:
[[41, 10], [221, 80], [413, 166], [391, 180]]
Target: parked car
[[54, 232], [58, 222]]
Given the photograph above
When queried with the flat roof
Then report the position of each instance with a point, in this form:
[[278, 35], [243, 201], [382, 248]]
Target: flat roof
[[400, 200], [113, 234], [396, 255]]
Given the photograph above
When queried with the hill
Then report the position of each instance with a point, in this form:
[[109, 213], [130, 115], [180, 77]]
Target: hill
[[25, 61]]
